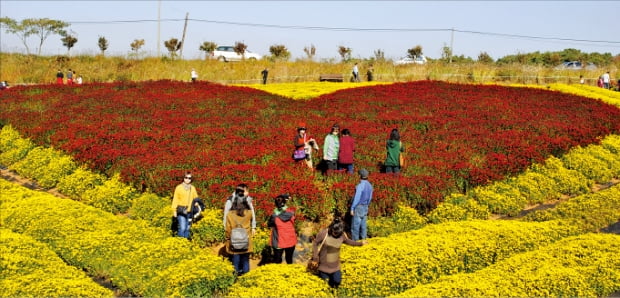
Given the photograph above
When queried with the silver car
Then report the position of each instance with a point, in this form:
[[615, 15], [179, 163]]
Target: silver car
[[575, 65]]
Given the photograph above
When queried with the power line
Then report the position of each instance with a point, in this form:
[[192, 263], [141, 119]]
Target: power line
[[354, 29]]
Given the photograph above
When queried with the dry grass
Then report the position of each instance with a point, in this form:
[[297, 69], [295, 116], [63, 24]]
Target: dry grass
[[22, 69]]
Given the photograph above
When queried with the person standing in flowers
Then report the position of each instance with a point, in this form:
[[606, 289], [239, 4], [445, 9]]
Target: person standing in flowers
[[59, 77], [241, 193], [304, 145], [356, 73], [359, 207], [239, 215], [70, 77], [184, 195], [345, 152], [326, 251], [283, 237], [369, 73], [331, 147], [194, 75], [394, 148]]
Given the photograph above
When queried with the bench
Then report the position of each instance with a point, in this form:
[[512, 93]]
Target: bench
[[331, 78]]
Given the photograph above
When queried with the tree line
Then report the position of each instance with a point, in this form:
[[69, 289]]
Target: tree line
[[42, 28]]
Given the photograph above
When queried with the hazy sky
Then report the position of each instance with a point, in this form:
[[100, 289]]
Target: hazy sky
[[499, 28]]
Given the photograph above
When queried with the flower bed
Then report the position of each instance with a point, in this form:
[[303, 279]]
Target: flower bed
[[457, 136], [582, 266], [31, 269], [138, 259]]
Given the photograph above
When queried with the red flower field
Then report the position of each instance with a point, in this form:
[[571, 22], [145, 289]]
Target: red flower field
[[456, 136]]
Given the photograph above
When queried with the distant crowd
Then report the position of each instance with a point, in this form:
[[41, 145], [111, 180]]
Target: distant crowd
[[60, 78]]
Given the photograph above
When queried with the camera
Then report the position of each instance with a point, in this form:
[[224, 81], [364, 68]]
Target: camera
[[240, 192], [311, 142]]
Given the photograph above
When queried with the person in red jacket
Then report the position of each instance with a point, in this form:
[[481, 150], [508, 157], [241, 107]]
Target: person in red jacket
[[283, 236], [345, 153]]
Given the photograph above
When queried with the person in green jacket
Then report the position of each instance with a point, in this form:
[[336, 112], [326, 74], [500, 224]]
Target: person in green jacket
[[394, 148], [331, 147]]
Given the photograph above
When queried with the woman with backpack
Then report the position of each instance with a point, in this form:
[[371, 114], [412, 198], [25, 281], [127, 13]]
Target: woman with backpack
[[238, 231], [283, 237]]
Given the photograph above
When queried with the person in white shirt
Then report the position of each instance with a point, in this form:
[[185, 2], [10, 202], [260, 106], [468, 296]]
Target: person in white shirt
[[194, 75], [356, 73], [606, 80]]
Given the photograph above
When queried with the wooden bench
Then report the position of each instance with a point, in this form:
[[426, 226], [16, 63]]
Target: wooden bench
[[331, 78]]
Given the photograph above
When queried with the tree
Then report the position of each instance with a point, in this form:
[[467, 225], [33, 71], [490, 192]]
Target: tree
[[279, 52], [173, 45], [208, 47], [13, 27], [415, 51], [136, 45], [240, 49], [68, 41], [484, 57], [103, 44], [345, 53], [446, 53], [42, 28], [310, 51], [379, 55]]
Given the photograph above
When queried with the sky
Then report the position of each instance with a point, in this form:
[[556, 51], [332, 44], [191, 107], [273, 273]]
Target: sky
[[499, 28]]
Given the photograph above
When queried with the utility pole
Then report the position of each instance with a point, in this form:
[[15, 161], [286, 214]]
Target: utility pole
[[183, 38], [451, 44], [158, 27]]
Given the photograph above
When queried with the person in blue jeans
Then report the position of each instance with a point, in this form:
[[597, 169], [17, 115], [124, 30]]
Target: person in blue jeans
[[184, 194], [359, 208]]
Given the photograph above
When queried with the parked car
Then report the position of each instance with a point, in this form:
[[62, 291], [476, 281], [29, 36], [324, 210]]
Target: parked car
[[576, 65], [408, 60], [227, 53]]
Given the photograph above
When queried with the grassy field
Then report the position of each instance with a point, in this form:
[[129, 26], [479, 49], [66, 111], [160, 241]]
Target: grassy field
[[22, 69]]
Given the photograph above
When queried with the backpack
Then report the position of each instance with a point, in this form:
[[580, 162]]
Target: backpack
[[239, 239]]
